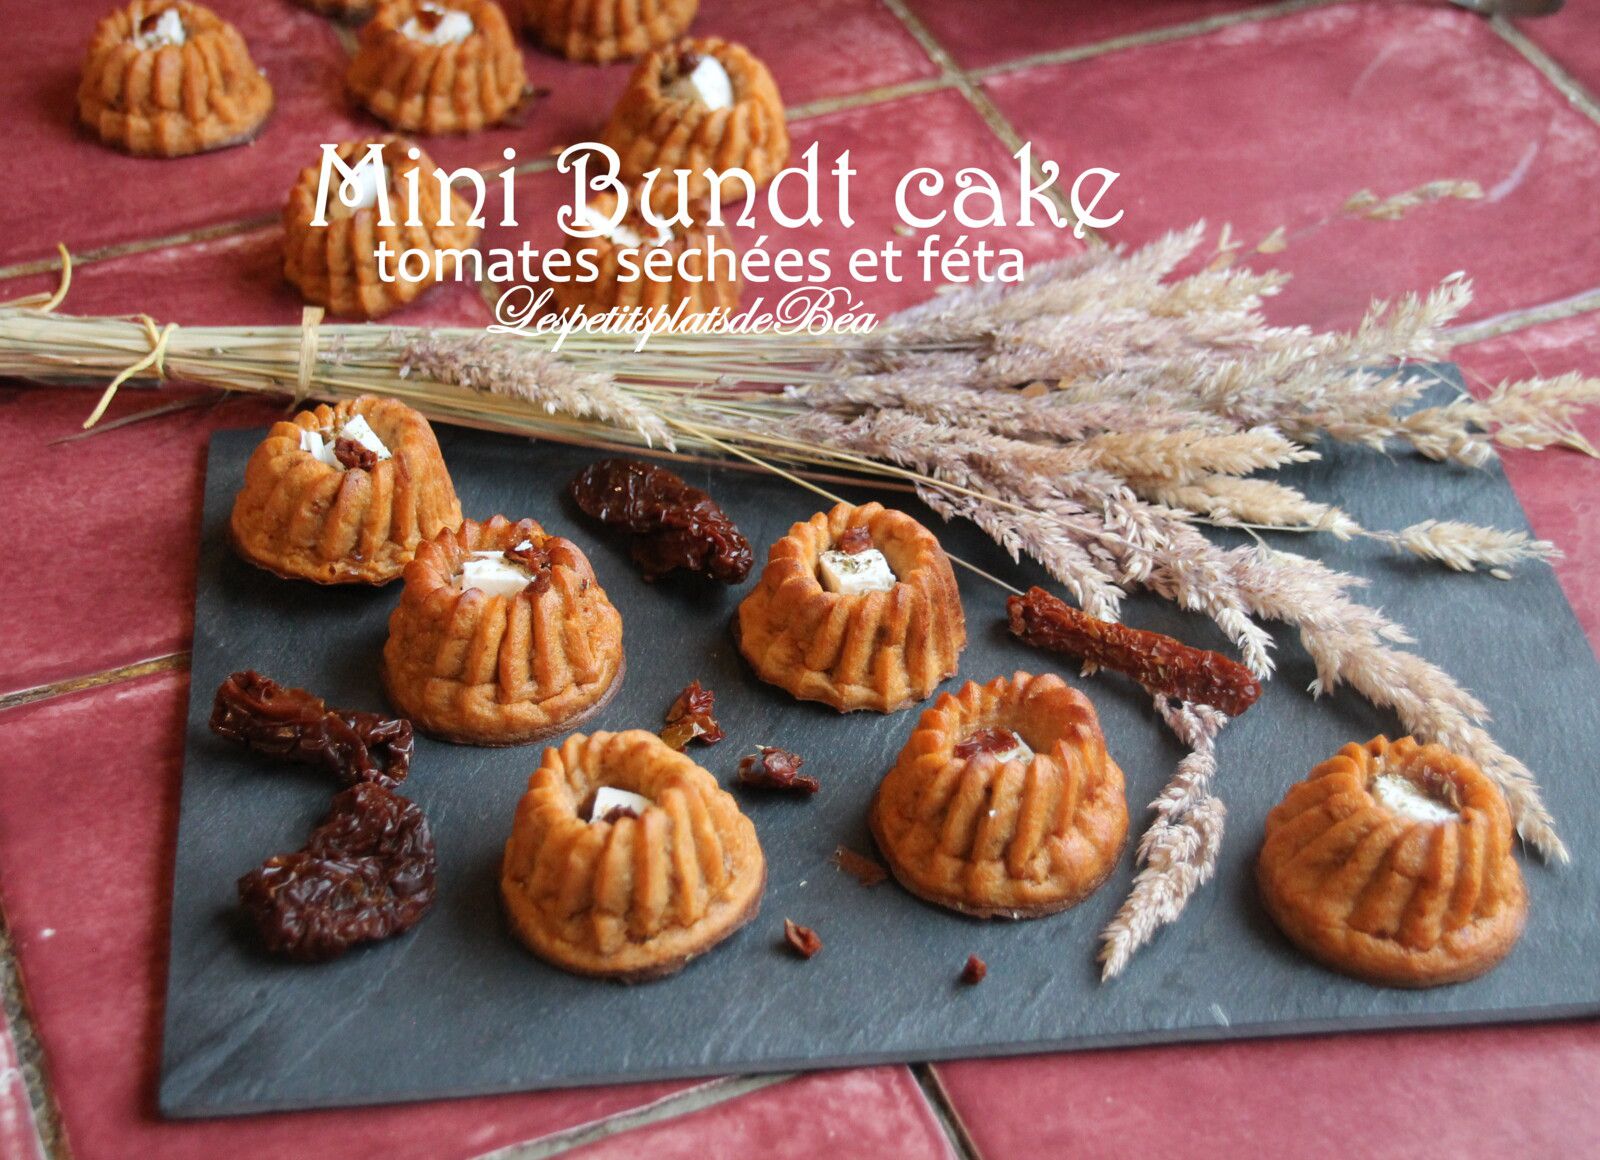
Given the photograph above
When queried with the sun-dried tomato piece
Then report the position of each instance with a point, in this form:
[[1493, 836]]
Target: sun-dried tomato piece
[[366, 873], [974, 972], [1159, 663], [853, 541], [987, 741], [298, 726], [692, 717], [801, 939], [669, 524], [354, 455], [776, 769], [536, 559], [863, 869]]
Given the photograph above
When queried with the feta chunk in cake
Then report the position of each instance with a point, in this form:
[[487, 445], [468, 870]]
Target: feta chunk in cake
[[608, 798], [161, 31], [854, 573], [318, 448], [360, 431], [435, 24], [1406, 798], [712, 82], [492, 574]]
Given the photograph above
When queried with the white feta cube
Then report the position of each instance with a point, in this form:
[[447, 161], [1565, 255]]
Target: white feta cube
[[1018, 750], [435, 24], [1406, 798], [313, 444], [712, 82], [167, 30], [359, 430], [854, 573], [492, 574], [608, 798]]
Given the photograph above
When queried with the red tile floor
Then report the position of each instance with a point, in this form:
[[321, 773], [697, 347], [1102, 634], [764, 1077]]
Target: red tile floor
[[1260, 117]]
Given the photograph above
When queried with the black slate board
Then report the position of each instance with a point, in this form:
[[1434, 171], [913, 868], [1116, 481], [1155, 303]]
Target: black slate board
[[459, 1008]]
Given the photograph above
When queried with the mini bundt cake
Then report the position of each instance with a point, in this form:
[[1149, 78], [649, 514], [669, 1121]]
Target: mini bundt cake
[[694, 105], [502, 636], [856, 608], [438, 66], [166, 78], [344, 494], [699, 284], [1004, 802], [336, 265], [1392, 862], [606, 30], [626, 859]]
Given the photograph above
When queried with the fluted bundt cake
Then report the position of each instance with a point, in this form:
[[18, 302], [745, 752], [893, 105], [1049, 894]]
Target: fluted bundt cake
[[856, 608], [1392, 862], [626, 859], [344, 494], [699, 283], [1004, 802], [699, 104], [336, 265], [166, 78], [605, 30], [502, 636], [438, 66]]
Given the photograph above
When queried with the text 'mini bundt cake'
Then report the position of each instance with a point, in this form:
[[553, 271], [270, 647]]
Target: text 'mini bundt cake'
[[166, 78], [344, 494], [699, 104], [605, 30], [626, 859], [1392, 862], [502, 636], [438, 66], [335, 265], [856, 608], [1004, 802]]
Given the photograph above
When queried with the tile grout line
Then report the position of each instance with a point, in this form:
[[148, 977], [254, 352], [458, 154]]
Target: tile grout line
[[1569, 86], [169, 662], [696, 1099], [48, 1127], [945, 1111]]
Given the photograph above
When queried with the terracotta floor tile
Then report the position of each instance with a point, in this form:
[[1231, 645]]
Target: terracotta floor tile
[[1572, 38], [1375, 1095], [90, 784], [876, 1112], [1278, 123]]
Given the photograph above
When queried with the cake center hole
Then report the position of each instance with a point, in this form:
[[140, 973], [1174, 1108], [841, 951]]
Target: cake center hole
[[854, 566], [1434, 801], [509, 572], [160, 29], [354, 445], [610, 804], [437, 24], [1002, 744], [701, 77]]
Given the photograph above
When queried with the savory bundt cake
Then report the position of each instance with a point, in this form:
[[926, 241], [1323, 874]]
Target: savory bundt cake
[[856, 608], [336, 265], [166, 78], [344, 494], [694, 105], [502, 636], [699, 283], [605, 30], [1392, 862], [626, 859], [438, 66], [1004, 802]]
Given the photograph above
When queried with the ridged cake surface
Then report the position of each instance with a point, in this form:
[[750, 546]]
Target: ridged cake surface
[[639, 896], [999, 838], [875, 650], [419, 86], [1392, 862], [605, 30], [166, 78], [306, 520], [480, 668], [654, 126]]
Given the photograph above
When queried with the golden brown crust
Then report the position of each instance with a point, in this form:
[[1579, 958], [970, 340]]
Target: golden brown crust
[[877, 650], [605, 30], [1019, 839], [1385, 897], [650, 128], [615, 287], [478, 669], [175, 99], [304, 520], [437, 88], [635, 898], [336, 265]]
